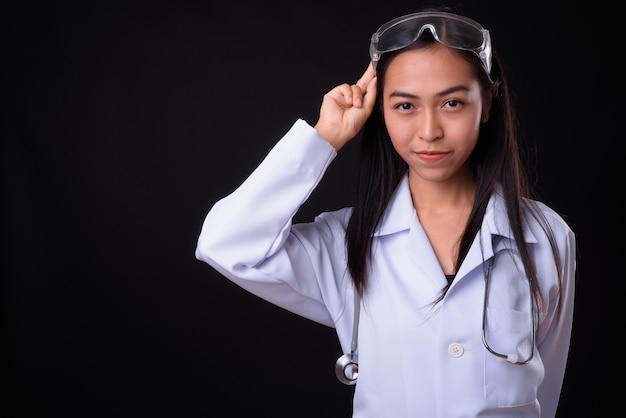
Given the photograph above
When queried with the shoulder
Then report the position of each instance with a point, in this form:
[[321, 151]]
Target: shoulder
[[536, 208], [328, 224], [338, 218], [328, 229], [542, 219]]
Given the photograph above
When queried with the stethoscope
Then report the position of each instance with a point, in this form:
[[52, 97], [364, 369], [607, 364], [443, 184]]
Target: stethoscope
[[347, 366]]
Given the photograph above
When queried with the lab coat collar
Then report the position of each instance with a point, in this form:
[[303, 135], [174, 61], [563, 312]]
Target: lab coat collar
[[495, 229], [400, 215], [400, 211]]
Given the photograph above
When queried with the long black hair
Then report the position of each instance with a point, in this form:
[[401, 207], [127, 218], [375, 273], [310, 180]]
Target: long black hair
[[495, 161]]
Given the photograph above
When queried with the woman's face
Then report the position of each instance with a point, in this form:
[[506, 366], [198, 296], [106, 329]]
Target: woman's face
[[432, 105]]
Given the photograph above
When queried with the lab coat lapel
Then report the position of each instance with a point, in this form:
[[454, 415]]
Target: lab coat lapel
[[401, 216], [495, 224], [422, 253]]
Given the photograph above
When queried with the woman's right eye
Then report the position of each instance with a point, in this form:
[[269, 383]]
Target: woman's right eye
[[404, 106]]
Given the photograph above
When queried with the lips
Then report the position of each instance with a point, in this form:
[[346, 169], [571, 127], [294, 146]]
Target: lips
[[431, 156]]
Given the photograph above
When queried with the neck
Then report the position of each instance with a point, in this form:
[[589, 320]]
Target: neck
[[432, 196]]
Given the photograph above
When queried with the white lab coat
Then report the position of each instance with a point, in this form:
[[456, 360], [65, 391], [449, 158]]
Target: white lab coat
[[416, 359]]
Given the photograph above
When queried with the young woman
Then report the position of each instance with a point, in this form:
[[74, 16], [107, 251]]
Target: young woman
[[450, 288]]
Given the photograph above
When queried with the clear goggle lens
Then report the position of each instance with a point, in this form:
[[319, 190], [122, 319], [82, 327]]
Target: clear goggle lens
[[449, 29]]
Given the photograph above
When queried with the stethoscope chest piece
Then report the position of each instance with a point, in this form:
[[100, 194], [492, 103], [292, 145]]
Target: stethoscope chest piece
[[347, 368]]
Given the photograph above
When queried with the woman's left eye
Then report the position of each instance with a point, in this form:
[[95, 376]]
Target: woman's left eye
[[453, 103]]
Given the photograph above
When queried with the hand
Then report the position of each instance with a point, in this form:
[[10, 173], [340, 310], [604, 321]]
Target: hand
[[345, 109]]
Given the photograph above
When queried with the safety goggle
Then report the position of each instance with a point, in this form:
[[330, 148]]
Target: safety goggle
[[451, 30]]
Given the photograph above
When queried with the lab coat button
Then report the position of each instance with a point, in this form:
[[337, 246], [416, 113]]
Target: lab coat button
[[455, 350]]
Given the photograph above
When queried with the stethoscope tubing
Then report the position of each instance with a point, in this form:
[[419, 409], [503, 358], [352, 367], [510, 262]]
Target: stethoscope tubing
[[511, 358]]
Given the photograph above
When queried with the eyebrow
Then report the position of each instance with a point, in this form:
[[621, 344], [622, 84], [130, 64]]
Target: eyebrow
[[445, 92]]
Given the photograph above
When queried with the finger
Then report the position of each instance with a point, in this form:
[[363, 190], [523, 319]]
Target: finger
[[367, 76], [347, 94], [357, 95], [365, 96], [370, 95]]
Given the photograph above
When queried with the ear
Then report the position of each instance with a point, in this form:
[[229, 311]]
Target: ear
[[484, 117]]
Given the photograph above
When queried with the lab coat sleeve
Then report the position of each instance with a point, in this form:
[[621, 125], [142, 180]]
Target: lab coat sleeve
[[248, 237], [555, 340]]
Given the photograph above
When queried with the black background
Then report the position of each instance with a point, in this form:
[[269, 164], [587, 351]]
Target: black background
[[125, 121]]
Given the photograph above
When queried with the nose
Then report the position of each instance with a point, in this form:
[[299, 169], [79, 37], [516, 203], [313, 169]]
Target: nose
[[429, 128]]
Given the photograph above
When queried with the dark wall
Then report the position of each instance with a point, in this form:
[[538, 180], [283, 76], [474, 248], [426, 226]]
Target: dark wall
[[124, 122]]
